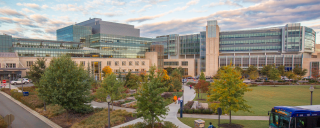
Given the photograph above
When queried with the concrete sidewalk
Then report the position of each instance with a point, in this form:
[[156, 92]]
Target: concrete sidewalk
[[105, 105], [205, 116]]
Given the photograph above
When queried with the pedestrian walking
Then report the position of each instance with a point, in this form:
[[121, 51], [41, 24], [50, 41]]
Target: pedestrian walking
[[211, 126], [190, 86], [175, 99], [179, 100]]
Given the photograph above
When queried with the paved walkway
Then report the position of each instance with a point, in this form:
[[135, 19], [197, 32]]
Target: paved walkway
[[189, 95], [203, 116], [23, 118], [105, 105]]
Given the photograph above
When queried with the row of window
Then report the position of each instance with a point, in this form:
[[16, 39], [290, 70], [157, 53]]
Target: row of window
[[250, 48], [127, 70], [116, 63], [249, 35], [250, 41], [176, 63], [9, 65]]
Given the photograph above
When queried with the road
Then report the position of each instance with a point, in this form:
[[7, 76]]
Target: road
[[23, 119], [24, 85]]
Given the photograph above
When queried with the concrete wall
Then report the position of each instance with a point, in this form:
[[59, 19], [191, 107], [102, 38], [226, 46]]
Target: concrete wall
[[152, 57], [190, 67], [212, 53]]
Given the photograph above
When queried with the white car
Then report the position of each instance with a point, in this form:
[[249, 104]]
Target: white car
[[17, 81], [25, 80]]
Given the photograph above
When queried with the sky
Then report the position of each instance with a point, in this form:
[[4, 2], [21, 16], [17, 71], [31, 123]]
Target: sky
[[41, 18]]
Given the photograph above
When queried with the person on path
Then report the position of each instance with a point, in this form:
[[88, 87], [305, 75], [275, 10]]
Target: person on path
[[179, 100], [175, 99], [190, 86], [211, 126]]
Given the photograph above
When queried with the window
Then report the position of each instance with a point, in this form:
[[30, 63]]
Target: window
[[108, 63], [29, 63], [130, 63], [184, 63], [136, 70], [83, 63], [123, 63], [176, 63], [117, 70], [116, 63], [143, 63], [142, 70], [11, 65], [137, 63], [130, 70], [123, 70]]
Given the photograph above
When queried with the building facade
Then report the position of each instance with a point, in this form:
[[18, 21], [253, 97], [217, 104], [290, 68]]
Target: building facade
[[98, 43]]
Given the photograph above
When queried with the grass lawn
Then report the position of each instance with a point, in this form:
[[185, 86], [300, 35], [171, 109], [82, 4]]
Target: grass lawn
[[263, 98], [245, 123]]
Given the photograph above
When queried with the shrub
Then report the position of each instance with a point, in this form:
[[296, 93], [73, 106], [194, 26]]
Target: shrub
[[15, 94], [165, 124], [253, 85], [51, 110], [281, 81], [167, 95], [32, 101], [84, 109], [3, 124], [258, 81]]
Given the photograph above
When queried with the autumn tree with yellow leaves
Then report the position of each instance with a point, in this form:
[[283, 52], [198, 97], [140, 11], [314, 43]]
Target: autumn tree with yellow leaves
[[107, 70], [229, 91]]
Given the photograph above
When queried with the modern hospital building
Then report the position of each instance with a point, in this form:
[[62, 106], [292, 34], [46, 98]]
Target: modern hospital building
[[98, 43]]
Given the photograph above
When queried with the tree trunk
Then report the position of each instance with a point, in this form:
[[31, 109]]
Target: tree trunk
[[274, 85], [198, 93], [230, 117]]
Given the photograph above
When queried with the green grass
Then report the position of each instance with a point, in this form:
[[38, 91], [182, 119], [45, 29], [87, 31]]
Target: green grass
[[201, 96], [263, 98], [245, 123]]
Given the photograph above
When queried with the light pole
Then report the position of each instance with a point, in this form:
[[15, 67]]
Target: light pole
[[9, 82], [311, 90], [109, 100]]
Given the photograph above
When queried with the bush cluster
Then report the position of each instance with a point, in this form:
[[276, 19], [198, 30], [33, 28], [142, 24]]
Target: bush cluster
[[271, 83], [3, 124], [167, 95], [253, 85], [197, 111], [51, 110], [165, 124], [31, 101]]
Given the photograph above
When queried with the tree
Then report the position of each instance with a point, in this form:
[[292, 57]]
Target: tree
[[274, 74], [281, 69], [315, 73], [229, 91], [299, 71], [131, 81], [202, 86], [142, 75], [169, 69], [37, 69], [253, 75], [150, 104], [250, 69], [66, 84], [181, 70], [265, 70], [202, 77], [290, 75], [106, 70], [239, 69], [113, 87]]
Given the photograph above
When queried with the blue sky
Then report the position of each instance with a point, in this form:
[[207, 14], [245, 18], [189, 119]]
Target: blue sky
[[41, 18]]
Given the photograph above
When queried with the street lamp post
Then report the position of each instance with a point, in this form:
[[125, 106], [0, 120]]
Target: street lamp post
[[9, 82], [181, 108], [311, 90], [109, 100]]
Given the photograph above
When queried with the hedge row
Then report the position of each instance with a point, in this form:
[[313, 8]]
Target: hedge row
[[197, 111]]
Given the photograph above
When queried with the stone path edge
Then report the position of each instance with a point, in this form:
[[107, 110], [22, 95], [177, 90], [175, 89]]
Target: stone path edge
[[36, 114]]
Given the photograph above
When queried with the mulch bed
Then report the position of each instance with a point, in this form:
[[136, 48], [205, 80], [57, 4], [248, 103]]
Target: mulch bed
[[61, 120], [231, 125], [6, 90]]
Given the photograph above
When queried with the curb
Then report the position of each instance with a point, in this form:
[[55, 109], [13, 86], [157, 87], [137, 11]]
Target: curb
[[36, 114]]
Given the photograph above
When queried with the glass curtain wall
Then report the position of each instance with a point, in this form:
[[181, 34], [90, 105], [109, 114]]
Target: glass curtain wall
[[73, 33], [293, 38], [6, 43], [309, 40], [190, 44], [203, 51]]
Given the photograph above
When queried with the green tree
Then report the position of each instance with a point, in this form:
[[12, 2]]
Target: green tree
[[169, 70], [181, 70], [281, 69], [202, 77], [131, 81], [253, 75], [265, 70], [250, 69], [37, 69], [113, 87], [290, 75], [229, 91], [150, 104], [239, 69], [299, 71], [65, 84], [176, 80], [274, 74]]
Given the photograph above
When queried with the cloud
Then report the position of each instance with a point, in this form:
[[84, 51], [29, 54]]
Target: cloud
[[30, 5], [148, 1], [27, 10], [268, 13], [15, 32], [109, 14], [10, 12], [116, 2], [44, 6], [144, 8], [227, 2], [20, 21], [193, 2], [68, 7], [39, 18], [198, 11]]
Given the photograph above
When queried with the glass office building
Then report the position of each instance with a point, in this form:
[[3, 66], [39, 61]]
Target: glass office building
[[73, 33]]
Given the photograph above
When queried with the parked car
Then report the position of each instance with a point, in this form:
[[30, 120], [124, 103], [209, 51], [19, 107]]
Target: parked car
[[25, 81], [17, 81]]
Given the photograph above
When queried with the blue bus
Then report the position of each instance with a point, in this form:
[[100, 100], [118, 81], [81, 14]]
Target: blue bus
[[295, 117]]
